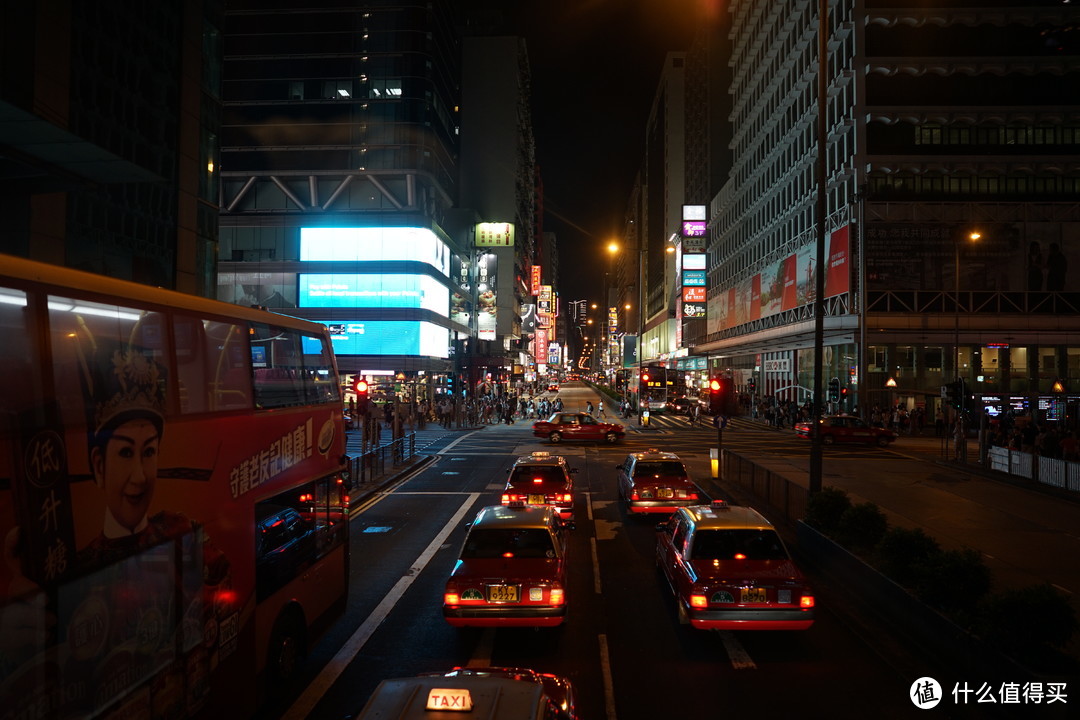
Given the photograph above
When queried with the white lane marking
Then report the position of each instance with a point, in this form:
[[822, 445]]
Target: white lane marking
[[446, 449], [740, 659], [1064, 590], [609, 685], [329, 674], [595, 566], [588, 505], [481, 657]]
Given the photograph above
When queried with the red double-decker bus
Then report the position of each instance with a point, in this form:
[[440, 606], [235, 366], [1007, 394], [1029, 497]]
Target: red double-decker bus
[[172, 498]]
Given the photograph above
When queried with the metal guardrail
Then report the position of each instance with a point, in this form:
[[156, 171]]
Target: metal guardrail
[[1048, 471], [375, 464]]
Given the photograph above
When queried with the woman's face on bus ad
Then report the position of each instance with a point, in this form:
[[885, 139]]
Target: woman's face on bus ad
[[125, 469]]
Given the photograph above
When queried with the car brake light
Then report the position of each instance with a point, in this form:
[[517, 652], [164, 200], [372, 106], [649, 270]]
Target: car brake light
[[740, 556], [508, 498], [635, 496], [698, 601], [691, 495], [537, 480], [806, 601], [451, 599], [567, 497], [556, 596]]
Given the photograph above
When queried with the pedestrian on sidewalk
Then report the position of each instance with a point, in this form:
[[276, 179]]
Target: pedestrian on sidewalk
[[600, 410], [589, 407]]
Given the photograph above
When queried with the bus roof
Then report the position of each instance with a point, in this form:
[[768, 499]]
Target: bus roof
[[93, 285]]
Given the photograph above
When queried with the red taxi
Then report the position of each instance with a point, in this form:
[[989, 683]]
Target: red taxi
[[655, 482], [847, 428], [577, 426], [729, 570], [541, 478], [511, 571]]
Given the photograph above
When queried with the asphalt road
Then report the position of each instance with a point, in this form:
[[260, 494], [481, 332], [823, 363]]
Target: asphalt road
[[622, 647]]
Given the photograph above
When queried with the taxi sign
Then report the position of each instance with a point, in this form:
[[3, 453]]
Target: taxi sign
[[451, 699]]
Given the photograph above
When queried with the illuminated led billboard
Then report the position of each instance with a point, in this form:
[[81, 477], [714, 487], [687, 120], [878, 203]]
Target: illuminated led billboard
[[385, 337], [374, 291], [357, 244]]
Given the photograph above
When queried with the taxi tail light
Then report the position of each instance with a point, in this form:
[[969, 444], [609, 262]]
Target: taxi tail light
[[635, 495], [565, 497], [556, 596], [451, 598], [806, 601], [691, 495], [698, 600], [508, 498]]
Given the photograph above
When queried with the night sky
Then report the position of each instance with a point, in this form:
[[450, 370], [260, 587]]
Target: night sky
[[595, 66]]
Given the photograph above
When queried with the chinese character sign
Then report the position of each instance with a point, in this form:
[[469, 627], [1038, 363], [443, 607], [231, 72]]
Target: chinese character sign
[[494, 234]]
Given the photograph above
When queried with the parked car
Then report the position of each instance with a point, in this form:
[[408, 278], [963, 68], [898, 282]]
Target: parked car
[[847, 428], [655, 482], [577, 426], [730, 570]]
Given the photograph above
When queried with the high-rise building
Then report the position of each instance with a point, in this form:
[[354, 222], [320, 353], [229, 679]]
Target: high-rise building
[[953, 172], [339, 176], [109, 118]]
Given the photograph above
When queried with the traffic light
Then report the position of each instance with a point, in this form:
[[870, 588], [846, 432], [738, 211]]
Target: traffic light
[[360, 389], [834, 389], [644, 382], [751, 385], [952, 392], [450, 385], [721, 396]]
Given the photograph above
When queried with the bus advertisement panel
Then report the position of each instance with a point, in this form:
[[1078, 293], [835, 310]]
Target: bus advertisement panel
[[172, 498]]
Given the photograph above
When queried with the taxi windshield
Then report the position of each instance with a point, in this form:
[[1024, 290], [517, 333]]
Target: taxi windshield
[[649, 469], [508, 542], [727, 544]]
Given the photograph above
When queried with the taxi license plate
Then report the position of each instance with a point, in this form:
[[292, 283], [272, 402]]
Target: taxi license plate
[[665, 493], [503, 593], [536, 499], [752, 595]]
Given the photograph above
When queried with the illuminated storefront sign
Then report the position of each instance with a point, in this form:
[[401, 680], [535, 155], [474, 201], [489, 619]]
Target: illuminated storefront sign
[[693, 294], [693, 212], [693, 277], [486, 272], [693, 261], [345, 244], [374, 291], [494, 234], [387, 337], [694, 228], [534, 280]]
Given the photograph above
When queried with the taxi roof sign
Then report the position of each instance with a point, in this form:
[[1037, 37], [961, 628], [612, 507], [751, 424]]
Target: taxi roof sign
[[449, 699]]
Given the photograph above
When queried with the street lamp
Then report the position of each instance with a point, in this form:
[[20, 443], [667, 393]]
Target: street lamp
[[973, 236]]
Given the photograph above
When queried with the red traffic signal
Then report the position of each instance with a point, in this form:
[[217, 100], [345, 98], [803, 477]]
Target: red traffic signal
[[721, 396], [360, 387]]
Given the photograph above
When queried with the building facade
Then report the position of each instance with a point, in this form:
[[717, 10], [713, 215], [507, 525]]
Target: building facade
[[340, 152], [953, 171], [108, 148]]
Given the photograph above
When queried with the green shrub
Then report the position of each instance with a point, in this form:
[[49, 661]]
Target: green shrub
[[1027, 621], [904, 554], [954, 581], [862, 526], [825, 508]]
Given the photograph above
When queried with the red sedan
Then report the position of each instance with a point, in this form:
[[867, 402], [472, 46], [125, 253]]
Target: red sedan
[[577, 426], [847, 428], [511, 571], [729, 570]]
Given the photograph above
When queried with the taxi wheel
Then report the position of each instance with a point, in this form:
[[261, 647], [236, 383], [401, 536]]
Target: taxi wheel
[[827, 439], [883, 441], [611, 438], [555, 438]]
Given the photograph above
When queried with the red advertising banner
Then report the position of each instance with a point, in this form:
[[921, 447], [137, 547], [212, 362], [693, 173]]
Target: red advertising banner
[[838, 275], [693, 294], [790, 296], [534, 280]]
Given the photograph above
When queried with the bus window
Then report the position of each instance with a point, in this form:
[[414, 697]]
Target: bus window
[[229, 364], [278, 362], [193, 385], [319, 364]]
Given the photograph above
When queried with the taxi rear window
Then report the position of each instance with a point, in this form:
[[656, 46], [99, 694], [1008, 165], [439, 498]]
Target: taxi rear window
[[508, 542], [524, 476], [648, 469], [726, 544]]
